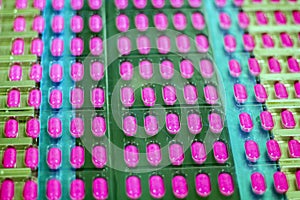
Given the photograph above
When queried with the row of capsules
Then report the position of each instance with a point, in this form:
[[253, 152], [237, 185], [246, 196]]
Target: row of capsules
[[21, 73]]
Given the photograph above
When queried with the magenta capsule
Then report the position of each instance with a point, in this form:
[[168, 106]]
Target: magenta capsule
[[77, 189], [280, 17], [252, 150], [246, 122], [163, 44], [202, 43], [133, 187], [293, 65], [36, 73], [220, 152], [140, 4], [161, 21], [234, 68], [199, 153], [77, 157], [243, 20], [177, 3], [96, 46], [15, 73], [57, 24], [215, 123], [179, 21], [97, 71], [172, 123], [77, 4], [131, 156], [274, 65], [100, 188], [148, 96], [34, 98], [180, 187], [76, 46], [169, 95], [13, 98], [124, 45], [297, 89], [57, 47], [76, 24], [98, 97], [99, 156], [126, 70], [11, 128], [129, 125], [19, 24], [38, 24], [146, 69], [56, 73], [127, 96], [281, 91], [151, 125], [296, 16], [261, 18], [240, 93], [211, 94], [298, 179], [95, 4], [258, 183], [54, 158], [54, 127], [30, 190], [37, 47], [198, 21], [58, 4], [77, 71], [158, 3], [226, 184], [229, 43], [266, 119], [39, 4], [21, 4], [280, 182], [249, 42], [195, 3], [190, 94], [203, 185], [176, 154], [121, 4], [267, 41], [260, 93], [33, 128], [294, 149], [225, 21], [287, 119], [154, 156], [32, 158], [157, 187], [9, 159], [220, 3], [254, 67], [183, 43], [143, 44], [206, 69], [77, 97], [273, 150], [194, 123], [166, 69], [55, 99], [18, 47], [98, 126], [95, 23], [122, 23], [238, 3], [186, 69], [53, 189], [141, 22], [77, 127], [7, 189]]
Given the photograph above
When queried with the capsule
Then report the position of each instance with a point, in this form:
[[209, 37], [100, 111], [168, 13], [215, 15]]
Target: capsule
[[33, 128], [226, 185], [280, 17], [57, 24], [158, 3], [230, 43], [280, 91], [234, 68], [77, 4], [97, 71], [202, 43], [131, 156], [54, 127], [298, 179], [296, 16], [31, 158], [56, 99], [252, 151], [274, 65], [195, 3], [77, 127], [15, 73], [34, 98], [76, 46], [203, 185], [53, 189], [54, 158], [98, 126], [183, 43], [77, 97], [169, 95], [76, 24], [126, 70], [267, 41], [141, 22], [148, 96], [260, 92], [58, 4], [249, 42], [7, 190], [98, 97], [215, 123], [220, 3], [154, 156], [11, 128], [206, 68], [157, 187], [177, 3], [143, 44], [161, 21], [121, 4], [240, 93], [258, 183], [99, 156], [17, 47], [246, 122], [95, 4], [77, 71], [21, 4], [57, 47], [297, 89], [151, 125], [254, 67], [211, 94], [294, 149], [129, 125], [179, 21], [220, 152], [13, 98], [172, 123], [190, 94], [146, 69], [198, 21], [30, 190], [39, 4], [186, 69], [194, 123], [56, 73], [176, 154], [133, 187], [199, 153], [273, 150], [124, 45], [243, 20], [140, 4], [261, 18], [127, 96], [225, 21], [9, 159], [287, 119], [96, 46], [37, 47], [36, 73], [100, 188], [180, 187], [77, 189], [166, 69], [293, 65], [163, 44], [266, 119], [95, 23], [38, 24], [280, 182]]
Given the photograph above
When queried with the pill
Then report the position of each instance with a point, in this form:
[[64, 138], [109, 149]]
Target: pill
[[226, 184], [273, 150], [121, 4], [95, 23], [206, 68], [287, 119], [172, 123], [297, 89], [97, 71], [163, 44], [77, 97], [143, 44], [293, 65], [30, 190], [37, 47], [203, 185], [211, 94], [127, 96], [100, 188], [38, 24], [57, 24], [198, 151], [131, 156], [249, 42], [229, 43], [98, 126], [176, 154], [95, 4], [39, 4], [179, 21], [183, 43], [243, 20], [234, 68], [202, 43], [151, 125], [220, 152], [33, 128], [280, 17], [11, 128], [77, 157], [225, 21], [280, 182], [274, 65], [21, 4], [77, 71], [194, 123], [98, 97], [186, 69], [19, 24], [281, 91], [133, 187], [198, 21], [122, 23], [96, 46], [77, 189], [76, 46], [54, 127], [7, 189], [258, 183], [15, 73], [9, 159], [158, 3], [55, 99], [58, 4], [36, 73], [53, 189], [161, 21], [215, 123], [220, 3], [260, 93], [177, 3], [129, 125], [195, 3], [77, 127], [141, 22], [13, 98], [77, 4], [157, 187], [294, 149], [54, 158], [140, 4], [17, 47], [99, 156], [154, 156], [124, 45], [180, 187], [286, 40], [56, 73], [296, 16], [146, 69], [190, 94], [266, 119], [246, 122], [126, 70], [76, 24], [32, 158], [35, 98], [240, 93], [166, 69], [252, 150], [298, 179], [261, 18], [267, 41], [169, 95]]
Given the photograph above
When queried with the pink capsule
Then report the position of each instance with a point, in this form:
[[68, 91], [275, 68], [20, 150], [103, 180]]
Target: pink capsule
[[220, 152], [131, 156], [77, 97], [177, 3], [35, 98], [122, 23], [95, 23], [246, 122], [100, 189], [151, 125], [202, 44], [77, 127], [198, 21], [273, 150], [19, 24], [77, 71], [179, 21], [15, 73], [18, 47], [172, 123], [157, 187], [143, 44], [267, 41], [280, 182], [56, 99], [234, 68], [57, 24], [56, 73], [195, 3], [287, 119], [206, 69], [225, 21], [169, 95], [180, 187], [190, 94], [261, 18], [76, 24], [126, 70], [39, 4], [286, 40], [163, 44], [7, 189], [127, 96], [53, 189], [258, 183], [54, 158], [37, 47], [30, 190], [229, 43], [280, 17], [243, 20], [294, 149], [98, 97], [215, 123], [176, 154], [254, 67], [158, 3], [154, 156], [124, 45], [280, 91], [11, 128], [220, 3], [76, 46], [9, 159], [31, 158], [146, 69], [133, 187], [203, 185], [130, 125], [266, 119], [98, 126], [297, 89], [140, 4], [194, 123], [99, 156], [54, 127], [293, 65], [77, 4], [36, 73], [249, 42], [96, 46], [33, 128], [260, 93], [298, 179], [211, 94], [199, 153], [161, 21], [58, 4], [13, 98], [77, 157], [240, 93], [226, 184], [141, 22], [97, 71], [252, 150], [21, 4], [186, 69], [296, 16], [77, 189], [166, 69], [121, 4], [38, 24], [95, 4]]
